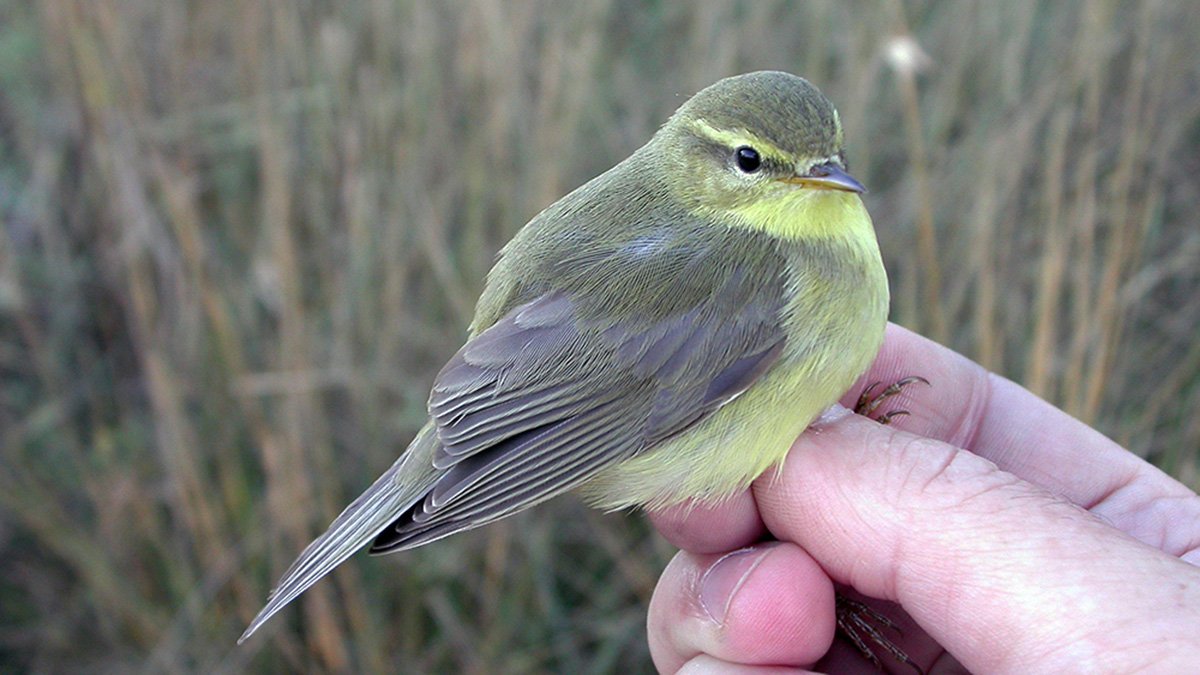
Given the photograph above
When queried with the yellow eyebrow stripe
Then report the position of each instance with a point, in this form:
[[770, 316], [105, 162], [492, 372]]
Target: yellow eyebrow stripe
[[733, 138]]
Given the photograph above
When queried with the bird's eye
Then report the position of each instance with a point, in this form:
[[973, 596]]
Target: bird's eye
[[748, 159]]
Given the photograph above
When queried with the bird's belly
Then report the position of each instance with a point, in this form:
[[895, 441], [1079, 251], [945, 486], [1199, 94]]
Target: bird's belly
[[824, 354], [727, 450]]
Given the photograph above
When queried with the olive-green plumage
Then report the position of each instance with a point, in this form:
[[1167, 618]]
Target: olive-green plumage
[[662, 333]]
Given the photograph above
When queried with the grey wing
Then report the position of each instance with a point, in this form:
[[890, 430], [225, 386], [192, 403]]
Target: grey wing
[[553, 393]]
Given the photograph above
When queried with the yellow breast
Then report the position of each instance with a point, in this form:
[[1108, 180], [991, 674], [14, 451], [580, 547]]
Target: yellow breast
[[835, 318]]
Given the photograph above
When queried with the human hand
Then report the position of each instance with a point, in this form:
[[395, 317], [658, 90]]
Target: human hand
[[1047, 548]]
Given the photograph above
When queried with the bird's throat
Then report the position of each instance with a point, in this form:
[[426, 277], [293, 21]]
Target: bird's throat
[[807, 214]]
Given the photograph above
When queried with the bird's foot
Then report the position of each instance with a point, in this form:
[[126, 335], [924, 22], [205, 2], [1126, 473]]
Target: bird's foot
[[870, 400], [864, 627]]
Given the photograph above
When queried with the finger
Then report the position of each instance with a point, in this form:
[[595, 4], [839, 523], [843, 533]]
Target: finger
[[707, 665], [711, 528], [1003, 574], [766, 605], [995, 418]]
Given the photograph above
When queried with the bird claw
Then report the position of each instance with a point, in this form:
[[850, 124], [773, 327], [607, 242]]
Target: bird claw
[[861, 625], [869, 401]]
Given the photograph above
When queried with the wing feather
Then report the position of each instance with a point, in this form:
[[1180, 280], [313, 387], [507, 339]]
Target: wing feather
[[567, 383]]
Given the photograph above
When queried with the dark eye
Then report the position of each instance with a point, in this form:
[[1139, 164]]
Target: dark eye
[[747, 159]]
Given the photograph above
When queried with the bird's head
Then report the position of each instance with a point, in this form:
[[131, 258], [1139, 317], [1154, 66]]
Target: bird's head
[[756, 146]]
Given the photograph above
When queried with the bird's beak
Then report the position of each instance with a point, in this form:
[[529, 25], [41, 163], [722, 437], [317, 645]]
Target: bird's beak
[[828, 176]]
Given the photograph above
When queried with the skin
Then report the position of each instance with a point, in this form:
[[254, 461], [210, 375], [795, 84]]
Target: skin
[[1017, 538], [661, 334]]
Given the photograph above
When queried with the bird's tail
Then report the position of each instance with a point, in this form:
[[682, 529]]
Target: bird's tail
[[382, 504]]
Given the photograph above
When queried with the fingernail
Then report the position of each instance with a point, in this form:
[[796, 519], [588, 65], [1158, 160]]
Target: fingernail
[[721, 582]]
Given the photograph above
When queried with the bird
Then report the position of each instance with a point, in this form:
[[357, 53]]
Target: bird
[[658, 336]]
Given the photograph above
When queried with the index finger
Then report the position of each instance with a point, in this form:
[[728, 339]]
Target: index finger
[[970, 408]]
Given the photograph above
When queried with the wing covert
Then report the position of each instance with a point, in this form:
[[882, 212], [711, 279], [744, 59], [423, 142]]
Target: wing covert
[[573, 381]]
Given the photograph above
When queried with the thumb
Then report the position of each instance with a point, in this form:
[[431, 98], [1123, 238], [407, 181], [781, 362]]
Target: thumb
[[1004, 575]]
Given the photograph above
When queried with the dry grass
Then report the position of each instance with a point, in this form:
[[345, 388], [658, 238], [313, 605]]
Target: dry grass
[[238, 239]]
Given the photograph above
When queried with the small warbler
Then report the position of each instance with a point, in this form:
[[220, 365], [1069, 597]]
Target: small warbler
[[661, 334]]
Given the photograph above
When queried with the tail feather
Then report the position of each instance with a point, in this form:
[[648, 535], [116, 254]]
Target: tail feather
[[381, 505]]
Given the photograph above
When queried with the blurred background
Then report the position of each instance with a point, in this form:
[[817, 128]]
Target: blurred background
[[238, 239]]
